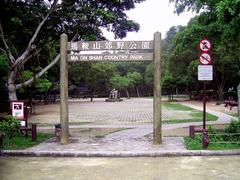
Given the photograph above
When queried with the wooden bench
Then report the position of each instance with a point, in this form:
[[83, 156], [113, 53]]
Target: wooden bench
[[230, 103], [33, 130]]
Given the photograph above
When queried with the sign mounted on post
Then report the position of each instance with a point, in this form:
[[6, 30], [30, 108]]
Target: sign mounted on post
[[111, 57], [110, 51], [205, 72], [18, 112], [205, 45], [17, 109], [205, 59], [109, 45]]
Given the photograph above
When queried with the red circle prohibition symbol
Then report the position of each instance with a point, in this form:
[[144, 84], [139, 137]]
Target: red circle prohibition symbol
[[205, 45], [205, 59]]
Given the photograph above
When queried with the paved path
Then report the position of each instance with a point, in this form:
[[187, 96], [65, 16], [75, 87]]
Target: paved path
[[143, 130], [132, 111], [135, 108], [131, 142]]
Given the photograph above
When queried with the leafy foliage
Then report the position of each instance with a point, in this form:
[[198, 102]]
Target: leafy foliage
[[135, 78], [4, 67], [83, 20], [40, 85], [9, 126], [119, 82], [219, 23]]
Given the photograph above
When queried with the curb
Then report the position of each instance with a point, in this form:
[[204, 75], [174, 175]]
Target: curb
[[120, 154]]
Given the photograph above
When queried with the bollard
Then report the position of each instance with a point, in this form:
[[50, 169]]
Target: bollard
[[238, 90], [34, 132], [1, 140], [58, 131], [1, 143], [191, 131], [205, 139]]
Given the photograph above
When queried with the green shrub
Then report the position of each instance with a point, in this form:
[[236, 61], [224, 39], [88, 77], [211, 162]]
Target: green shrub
[[233, 127], [9, 126], [211, 130]]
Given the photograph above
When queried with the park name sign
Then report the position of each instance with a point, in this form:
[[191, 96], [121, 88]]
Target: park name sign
[[119, 47], [109, 45], [110, 57], [110, 51]]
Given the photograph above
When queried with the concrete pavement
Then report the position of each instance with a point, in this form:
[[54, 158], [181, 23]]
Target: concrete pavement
[[140, 168]]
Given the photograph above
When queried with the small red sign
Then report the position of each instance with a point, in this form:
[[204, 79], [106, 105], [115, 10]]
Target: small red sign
[[205, 58], [17, 108], [205, 45]]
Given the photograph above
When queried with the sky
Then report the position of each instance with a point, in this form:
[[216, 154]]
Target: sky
[[153, 15]]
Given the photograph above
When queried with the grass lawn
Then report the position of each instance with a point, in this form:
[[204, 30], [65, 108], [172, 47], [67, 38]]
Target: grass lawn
[[20, 141], [196, 144], [177, 107], [196, 115]]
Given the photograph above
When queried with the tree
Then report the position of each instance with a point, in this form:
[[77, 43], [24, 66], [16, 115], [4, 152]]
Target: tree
[[148, 77], [80, 20], [120, 82], [99, 76], [135, 79], [184, 51], [169, 83]]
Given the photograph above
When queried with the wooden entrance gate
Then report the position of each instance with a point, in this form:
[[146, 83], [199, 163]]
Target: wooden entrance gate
[[133, 51]]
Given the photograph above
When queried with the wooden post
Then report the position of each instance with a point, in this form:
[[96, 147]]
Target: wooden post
[[34, 132], [238, 90], [204, 105], [64, 89], [157, 115]]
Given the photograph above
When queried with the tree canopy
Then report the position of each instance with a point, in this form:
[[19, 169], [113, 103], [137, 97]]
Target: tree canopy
[[30, 30]]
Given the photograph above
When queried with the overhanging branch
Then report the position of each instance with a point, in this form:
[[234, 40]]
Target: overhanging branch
[[26, 83], [9, 53], [28, 49], [32, 79]]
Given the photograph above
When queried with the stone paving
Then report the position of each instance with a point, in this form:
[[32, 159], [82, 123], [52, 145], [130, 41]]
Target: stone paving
[[130, 111], [133, 141], [111, 145]]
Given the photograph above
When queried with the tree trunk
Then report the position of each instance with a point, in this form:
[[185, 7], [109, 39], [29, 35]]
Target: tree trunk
[[127, 93], [190, 94], [12, 91], [137, 92], [220, 93], [92, 94]]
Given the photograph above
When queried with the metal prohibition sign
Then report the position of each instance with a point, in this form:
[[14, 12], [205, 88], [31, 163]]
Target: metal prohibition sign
[[205, 45], [205, 71], [205, 59], [110, 51]]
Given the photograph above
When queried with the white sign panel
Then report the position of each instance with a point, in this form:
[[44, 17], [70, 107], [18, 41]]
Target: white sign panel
[[18, 109], [205, 72], [111, 57]]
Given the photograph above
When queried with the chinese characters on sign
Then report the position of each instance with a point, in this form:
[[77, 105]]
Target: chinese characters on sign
[[17, 108], [205, 73], [109, 45]]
